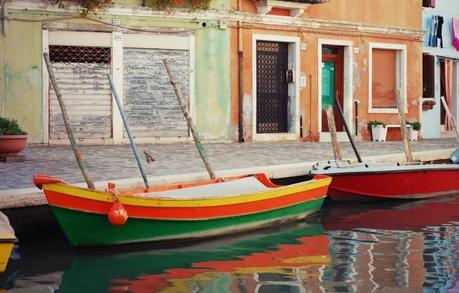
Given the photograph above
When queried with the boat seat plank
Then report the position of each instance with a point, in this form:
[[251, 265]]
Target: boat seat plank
[[219, 189]]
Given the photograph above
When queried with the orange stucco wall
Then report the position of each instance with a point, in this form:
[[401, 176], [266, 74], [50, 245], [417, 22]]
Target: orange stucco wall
[[390, 13], [404, 14]]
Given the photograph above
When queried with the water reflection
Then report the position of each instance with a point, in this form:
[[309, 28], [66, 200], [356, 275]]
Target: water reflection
[[267, 261], [404, 247], [409, 247]]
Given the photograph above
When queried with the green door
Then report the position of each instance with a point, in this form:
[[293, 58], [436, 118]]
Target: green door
[[328, 90], [328, 84]]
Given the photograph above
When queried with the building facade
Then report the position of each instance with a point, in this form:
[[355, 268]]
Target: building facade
[[251, 70], [440, 67], [343, 49]]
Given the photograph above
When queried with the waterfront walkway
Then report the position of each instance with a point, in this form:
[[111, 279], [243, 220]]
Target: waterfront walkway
[[176, 162]]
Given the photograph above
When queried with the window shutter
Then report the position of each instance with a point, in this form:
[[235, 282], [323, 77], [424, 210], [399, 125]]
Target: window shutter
[[384, 78], [428, 69]]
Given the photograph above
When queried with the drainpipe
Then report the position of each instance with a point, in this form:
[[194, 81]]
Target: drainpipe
[[4, 17], [356, 117], [240, 55]]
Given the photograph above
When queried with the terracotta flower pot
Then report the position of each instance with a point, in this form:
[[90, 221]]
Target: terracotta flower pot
[[12, 144]]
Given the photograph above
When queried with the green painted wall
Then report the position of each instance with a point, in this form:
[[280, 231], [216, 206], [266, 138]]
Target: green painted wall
[[21, 71], [213, 84], [214, 4], [21, 77]]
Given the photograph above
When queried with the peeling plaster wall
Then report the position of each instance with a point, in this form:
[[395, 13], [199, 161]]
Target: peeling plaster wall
[[21, 77], [213, 85], [21, 57]]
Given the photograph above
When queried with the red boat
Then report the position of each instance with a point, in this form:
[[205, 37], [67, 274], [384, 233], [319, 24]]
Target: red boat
[[389, 180]]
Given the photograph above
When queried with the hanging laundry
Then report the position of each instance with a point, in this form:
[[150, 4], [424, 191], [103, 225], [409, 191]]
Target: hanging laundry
[[439, 30], [455, 26], [433, 31]]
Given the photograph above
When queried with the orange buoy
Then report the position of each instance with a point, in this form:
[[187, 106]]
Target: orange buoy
[[117, 216]]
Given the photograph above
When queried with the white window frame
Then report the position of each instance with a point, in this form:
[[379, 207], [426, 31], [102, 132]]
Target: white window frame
[[401, 74], [294, 88]]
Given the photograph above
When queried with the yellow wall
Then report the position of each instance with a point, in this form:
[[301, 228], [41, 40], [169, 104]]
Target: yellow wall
[[21, 89], [21, 77]]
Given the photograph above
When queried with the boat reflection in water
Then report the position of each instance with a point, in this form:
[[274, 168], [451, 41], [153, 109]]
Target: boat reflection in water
[[412, 246], [283, 261]]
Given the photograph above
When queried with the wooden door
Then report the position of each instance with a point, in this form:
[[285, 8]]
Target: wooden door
[[332, 83]]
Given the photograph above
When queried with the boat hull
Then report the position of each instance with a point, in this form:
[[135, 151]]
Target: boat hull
[[7, 241], [82, 213], [6, 247], [401, 184], [89, 229]]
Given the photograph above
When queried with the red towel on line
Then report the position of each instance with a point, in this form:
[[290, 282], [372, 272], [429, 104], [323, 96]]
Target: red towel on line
[[455, 26]]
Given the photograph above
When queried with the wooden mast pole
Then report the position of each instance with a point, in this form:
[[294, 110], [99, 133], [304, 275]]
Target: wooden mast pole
[[401, 113], [189, 120], [346, 127], [65, 116], [334, 136]]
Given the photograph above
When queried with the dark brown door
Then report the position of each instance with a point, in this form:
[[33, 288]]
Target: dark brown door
[[272, 87], [332, 83]]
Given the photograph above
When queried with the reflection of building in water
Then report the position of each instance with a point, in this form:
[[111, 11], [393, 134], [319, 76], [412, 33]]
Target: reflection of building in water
[[441, 261], [365, 260]]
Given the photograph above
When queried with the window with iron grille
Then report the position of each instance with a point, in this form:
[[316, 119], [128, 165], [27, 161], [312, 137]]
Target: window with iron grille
[[77, 54]]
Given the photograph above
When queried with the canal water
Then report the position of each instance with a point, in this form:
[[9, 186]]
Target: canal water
[[383, 247]]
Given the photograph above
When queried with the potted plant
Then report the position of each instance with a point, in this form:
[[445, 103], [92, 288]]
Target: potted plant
[[428, 104], [378, 130], [413, 131], [12, 138]]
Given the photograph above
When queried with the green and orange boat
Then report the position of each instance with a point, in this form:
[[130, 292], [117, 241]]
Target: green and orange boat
[[185, 211]]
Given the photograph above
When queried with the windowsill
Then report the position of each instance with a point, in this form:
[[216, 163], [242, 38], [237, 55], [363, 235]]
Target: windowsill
[[383, 110], [296, 8]]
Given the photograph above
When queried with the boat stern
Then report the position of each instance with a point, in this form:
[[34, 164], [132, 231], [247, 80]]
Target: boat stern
[[7, 242]]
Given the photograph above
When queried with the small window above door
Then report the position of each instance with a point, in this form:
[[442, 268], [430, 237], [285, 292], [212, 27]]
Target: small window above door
[[334, 50]]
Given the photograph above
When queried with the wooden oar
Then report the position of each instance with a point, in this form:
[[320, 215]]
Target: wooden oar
[[128, 131], [189, 120], [346, 127], [334, 136], [65, 116], [401, 113]]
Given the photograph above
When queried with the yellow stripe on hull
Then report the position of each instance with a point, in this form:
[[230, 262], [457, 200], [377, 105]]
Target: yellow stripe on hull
[[138, 200], [5, 252]]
